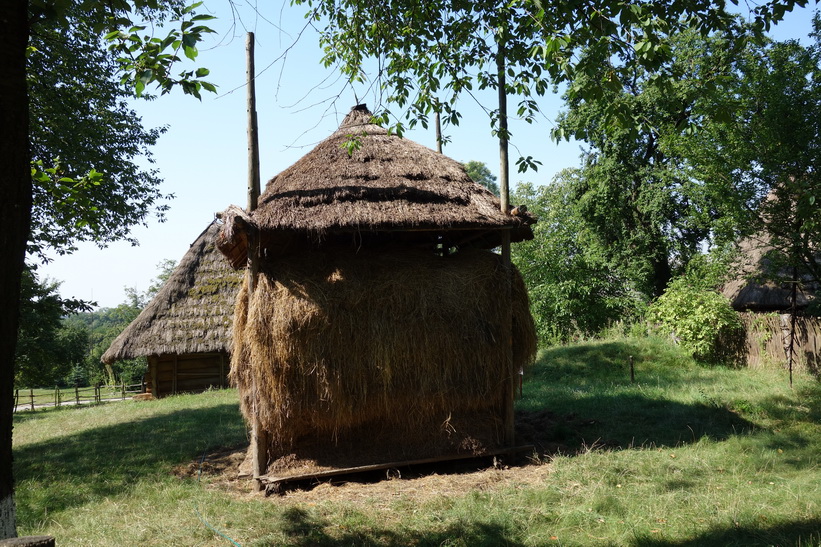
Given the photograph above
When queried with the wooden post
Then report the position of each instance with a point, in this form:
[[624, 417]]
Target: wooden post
[[153, 367], [174, 376], [259, 436], [76, 395], [504, 191], [793, 313], [438, 133], [31, 394], [632, 371], [253, 135]]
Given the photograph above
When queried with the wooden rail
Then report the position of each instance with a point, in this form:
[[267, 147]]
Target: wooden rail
[[28, 399]]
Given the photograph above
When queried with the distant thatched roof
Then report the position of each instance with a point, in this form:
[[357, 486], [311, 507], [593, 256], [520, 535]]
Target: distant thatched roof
[[758, 286], [388, 184], [192, 312]]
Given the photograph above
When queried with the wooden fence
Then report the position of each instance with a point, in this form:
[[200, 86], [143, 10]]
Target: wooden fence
[[30, 399], [768, 339]]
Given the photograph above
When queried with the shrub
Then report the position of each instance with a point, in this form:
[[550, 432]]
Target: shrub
[[701, 320]]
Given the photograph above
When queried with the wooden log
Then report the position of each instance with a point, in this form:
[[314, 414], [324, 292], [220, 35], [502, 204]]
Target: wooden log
[[30, 541], [273, 483]]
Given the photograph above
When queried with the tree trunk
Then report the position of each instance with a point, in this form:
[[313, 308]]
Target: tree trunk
[[15, 217]]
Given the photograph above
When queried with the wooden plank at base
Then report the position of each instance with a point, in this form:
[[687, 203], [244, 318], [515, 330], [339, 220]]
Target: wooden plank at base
[[268, 480]]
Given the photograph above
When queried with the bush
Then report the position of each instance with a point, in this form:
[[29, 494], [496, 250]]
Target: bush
[[701, 320]]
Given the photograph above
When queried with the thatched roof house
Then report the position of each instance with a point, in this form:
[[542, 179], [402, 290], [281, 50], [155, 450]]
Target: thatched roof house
[[760, 286], [762, 294], [186, 329], [380, 327]]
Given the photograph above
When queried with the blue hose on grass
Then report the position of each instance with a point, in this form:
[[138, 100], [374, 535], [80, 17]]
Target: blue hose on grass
[[199, 516]]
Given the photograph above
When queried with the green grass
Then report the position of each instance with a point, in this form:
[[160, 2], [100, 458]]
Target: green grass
[[684, 456]]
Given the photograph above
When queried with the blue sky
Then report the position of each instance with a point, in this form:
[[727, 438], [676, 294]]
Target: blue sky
[[202, 157]]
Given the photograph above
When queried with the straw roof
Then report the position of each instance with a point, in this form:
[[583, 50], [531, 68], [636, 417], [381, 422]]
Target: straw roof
[[758, 287], [192, 312], [388, 184]]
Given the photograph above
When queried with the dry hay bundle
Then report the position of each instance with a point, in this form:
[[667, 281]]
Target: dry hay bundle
[[330, 342]]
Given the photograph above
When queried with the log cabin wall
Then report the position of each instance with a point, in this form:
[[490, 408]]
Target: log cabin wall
[[193, 373]]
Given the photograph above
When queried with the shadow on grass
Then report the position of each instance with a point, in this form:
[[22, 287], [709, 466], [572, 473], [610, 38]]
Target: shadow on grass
[[580, 397], [802, 532], [626, 421], [71, 470], [303, 530]]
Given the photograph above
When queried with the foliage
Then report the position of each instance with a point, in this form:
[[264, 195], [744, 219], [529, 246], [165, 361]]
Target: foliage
[[573, 290], [103, 326], [478, 172], [145, 59], [106, 324], [47, 349], [88, 146], [166, 267], [761, 137], [431, 53], [428, 55], [700, 319], [647, 215]]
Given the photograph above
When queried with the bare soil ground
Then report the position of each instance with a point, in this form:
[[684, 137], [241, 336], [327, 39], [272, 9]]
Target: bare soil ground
[[549, 434]]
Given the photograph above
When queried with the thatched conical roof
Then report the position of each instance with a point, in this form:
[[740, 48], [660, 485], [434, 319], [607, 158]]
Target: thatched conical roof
[[388, 184], [193, 311], [759, 285]]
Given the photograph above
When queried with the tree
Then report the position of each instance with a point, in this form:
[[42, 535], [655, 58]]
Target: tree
[[46, 348], [479, 172], [762, 138], [146, 60], [85, 141], [427, 55], [15, 212], [649, 211], [573, 289]]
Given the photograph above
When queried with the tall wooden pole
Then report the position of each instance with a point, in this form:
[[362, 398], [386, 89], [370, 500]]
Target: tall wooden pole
[[793, 313], [504, 191], [259, 436], [438, 133]]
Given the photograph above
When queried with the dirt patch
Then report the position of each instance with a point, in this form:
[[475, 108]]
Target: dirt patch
[[228, 470]]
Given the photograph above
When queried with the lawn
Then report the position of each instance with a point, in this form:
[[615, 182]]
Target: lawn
[[685, 455]]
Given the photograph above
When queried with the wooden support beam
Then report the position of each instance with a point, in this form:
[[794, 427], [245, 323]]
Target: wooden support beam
[[273, 483]]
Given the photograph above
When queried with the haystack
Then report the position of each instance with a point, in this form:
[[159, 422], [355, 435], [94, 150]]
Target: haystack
[[334, 342], [380, 327], [186, 329], [762, 295]]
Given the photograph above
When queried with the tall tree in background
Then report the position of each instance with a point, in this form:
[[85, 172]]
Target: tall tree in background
[[762, 138], [647, 212], [479, 173], [46, 348], [573, 288]]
